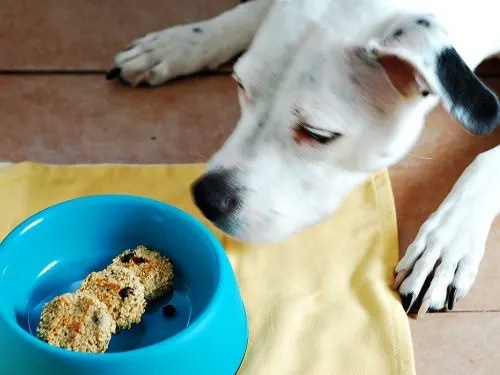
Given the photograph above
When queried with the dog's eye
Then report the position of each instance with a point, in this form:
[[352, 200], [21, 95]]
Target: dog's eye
[[304, 132], [238, 81]]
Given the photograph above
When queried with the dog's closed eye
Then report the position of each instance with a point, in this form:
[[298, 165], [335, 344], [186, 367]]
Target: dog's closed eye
[[306, 133]]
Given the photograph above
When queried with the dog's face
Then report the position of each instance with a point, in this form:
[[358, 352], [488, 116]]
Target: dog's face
[[319, 115]]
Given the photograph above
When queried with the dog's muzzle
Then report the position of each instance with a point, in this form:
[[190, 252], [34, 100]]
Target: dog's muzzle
[[217, 195]]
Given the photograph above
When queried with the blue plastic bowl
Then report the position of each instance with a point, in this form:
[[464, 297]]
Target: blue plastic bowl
[[51, 252]]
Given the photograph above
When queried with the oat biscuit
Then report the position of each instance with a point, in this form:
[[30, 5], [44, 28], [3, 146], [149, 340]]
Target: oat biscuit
[[122, 293], [78, 322], [154, 270]]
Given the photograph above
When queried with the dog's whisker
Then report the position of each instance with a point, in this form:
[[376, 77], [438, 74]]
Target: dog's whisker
[[199, 156], [420, 157]]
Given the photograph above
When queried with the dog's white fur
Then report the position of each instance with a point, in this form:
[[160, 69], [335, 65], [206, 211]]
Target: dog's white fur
[[308, 63]]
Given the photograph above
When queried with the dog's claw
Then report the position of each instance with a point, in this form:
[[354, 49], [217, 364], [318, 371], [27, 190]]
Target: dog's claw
[[426, 304], [113, 73], [407, 301], [399, 279], [452, 297]]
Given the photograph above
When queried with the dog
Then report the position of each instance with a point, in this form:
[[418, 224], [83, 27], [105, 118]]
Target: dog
[[330, 91]]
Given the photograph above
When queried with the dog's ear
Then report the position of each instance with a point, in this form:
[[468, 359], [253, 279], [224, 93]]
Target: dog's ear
[[419, 59]]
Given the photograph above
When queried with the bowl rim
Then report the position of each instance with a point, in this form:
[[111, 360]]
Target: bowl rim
[[215, 247]]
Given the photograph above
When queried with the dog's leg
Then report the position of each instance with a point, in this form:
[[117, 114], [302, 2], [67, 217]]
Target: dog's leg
[[187, 49], [451, 243]]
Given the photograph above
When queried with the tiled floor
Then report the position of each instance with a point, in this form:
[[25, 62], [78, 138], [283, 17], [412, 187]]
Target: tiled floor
[[81, 118]]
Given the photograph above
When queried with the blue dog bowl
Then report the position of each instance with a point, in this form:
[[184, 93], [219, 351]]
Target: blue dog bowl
[[51, 252]]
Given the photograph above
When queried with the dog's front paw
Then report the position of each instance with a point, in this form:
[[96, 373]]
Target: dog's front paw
[[445, 256], [161, 56]]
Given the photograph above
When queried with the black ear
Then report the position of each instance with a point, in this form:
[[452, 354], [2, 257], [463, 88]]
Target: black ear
[[467, 99], [417, 55]]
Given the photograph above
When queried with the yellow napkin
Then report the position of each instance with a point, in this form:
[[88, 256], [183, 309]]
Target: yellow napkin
[[318, 304]]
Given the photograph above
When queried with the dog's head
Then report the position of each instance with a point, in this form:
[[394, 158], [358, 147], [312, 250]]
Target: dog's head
[[321, 112]]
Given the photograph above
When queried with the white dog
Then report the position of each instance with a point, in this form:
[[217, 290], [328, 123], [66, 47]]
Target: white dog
[[330, 91]]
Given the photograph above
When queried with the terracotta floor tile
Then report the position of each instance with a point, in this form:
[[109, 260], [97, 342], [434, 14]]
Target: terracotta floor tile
[[86, 34], [423, 179], [60, 119], [457, 344]]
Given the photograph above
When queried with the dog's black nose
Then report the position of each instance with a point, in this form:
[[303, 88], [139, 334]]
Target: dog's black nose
[[216, 195]]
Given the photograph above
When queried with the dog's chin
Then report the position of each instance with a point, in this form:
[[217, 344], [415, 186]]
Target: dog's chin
[[270, 235], [257, 238], [243, 233], [267, 230]]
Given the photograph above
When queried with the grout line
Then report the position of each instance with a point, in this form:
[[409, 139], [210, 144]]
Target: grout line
[[65, 72], [477, 311], [110, 164], [466, 311], [51, 72]]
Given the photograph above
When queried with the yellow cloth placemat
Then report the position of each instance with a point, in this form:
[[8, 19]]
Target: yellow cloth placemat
[[318, 304]]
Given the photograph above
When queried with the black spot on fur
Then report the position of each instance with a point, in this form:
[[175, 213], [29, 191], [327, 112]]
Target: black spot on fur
[[354, 79], [368, 57], [311, 78], [197, 30], [423, 22], [470, 101], [398, 33]]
